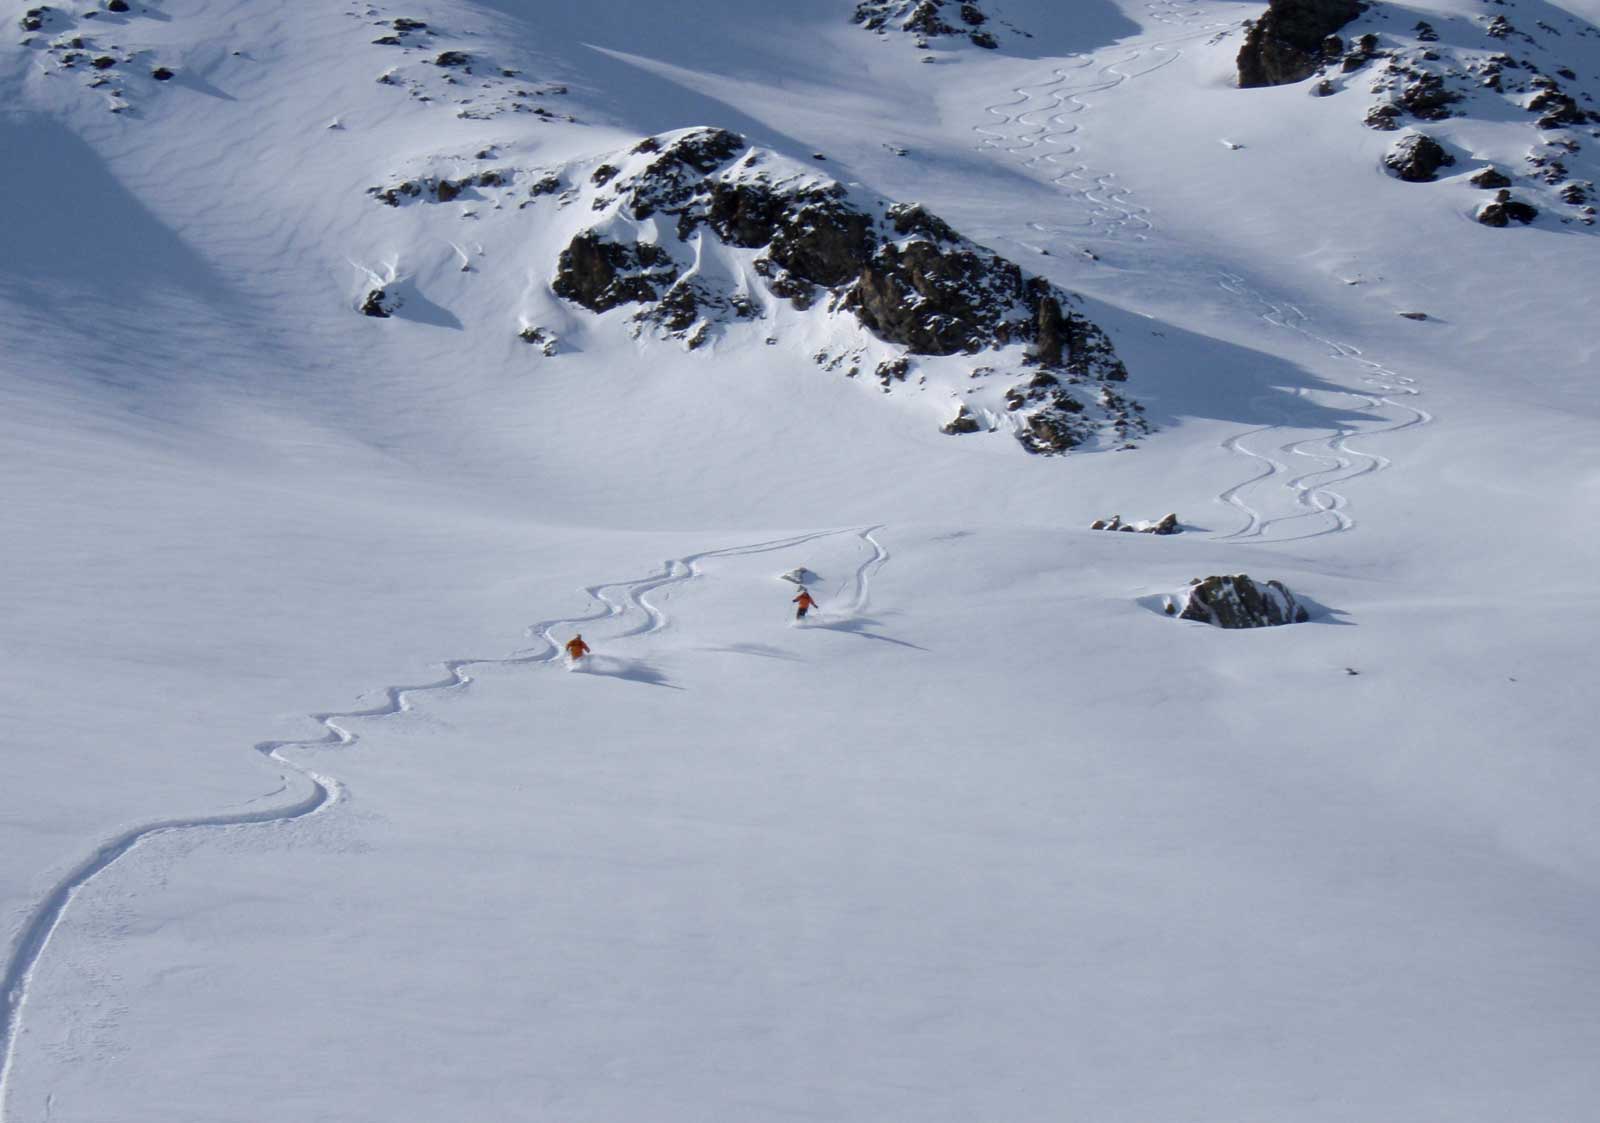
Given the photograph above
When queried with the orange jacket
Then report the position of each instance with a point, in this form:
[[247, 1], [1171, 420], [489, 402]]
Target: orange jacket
[[804, 600], [576, 648]]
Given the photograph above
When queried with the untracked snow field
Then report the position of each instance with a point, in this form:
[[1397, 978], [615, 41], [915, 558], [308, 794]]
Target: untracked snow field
[[301, 815]]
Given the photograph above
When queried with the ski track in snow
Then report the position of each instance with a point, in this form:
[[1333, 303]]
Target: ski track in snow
[[1112, 214], [320, 792]]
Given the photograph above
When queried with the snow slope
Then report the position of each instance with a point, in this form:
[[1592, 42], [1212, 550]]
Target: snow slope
[[992, 837]]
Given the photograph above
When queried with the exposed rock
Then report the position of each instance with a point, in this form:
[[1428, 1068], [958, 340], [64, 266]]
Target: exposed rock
[[1419, 316], [103, 62], [1557, 109], [377, 304], [1490, 178], [546, 341], [1167, 524], [1286, 44], [601, 275], [963, 422], [928, 19], [161, 74], [1385, 117], [1417, 158], [1424, 95], [452, 59], [1238, 602], [1504, 210]]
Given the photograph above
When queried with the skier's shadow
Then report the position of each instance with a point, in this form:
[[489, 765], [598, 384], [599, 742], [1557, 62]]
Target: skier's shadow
[[857, 626], [609, 666]]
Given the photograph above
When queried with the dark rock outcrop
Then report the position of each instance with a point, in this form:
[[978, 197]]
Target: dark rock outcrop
[[1490, 178], [601, 275], [906, 275], [928, 19], [1417, 158], [1239, 602], [1505, 210], [1287, 44], [377, 304]]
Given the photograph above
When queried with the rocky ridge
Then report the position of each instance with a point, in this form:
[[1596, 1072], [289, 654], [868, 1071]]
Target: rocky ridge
[[694, 233], [1495, 66]]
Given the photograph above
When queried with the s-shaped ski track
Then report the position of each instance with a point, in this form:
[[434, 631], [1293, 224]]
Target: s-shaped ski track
[[1111, 211], [318, 793]]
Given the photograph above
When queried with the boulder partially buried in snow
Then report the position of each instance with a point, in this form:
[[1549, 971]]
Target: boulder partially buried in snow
[[1417, 158], [1239, 602]]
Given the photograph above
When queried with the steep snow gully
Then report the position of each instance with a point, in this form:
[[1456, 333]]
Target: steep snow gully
[[1046, 113], [319, 793]]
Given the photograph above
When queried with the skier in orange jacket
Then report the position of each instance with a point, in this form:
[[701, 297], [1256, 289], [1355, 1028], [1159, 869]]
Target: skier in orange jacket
[[576, 648], [806, 603]]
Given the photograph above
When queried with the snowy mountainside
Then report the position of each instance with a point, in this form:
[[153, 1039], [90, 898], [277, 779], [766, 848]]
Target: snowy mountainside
[[1464, 77], [301, 807]]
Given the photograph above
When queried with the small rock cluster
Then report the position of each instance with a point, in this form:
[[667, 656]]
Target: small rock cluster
[[1238, 602], [110, 69], [438, 69], [1167, 524]]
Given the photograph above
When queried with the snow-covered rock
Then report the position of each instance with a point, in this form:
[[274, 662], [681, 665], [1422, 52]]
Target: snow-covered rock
[[1238, 602]]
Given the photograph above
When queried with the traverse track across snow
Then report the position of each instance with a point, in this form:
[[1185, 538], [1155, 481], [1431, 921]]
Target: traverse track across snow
[[317, 792]]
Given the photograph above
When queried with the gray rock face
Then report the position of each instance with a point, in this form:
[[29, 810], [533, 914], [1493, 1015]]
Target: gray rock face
[[1239, 602], [1417, 158], [1287, 44]]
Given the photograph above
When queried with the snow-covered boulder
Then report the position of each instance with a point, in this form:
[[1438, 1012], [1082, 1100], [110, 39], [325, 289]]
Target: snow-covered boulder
[[1239, 602], [1417, 158]]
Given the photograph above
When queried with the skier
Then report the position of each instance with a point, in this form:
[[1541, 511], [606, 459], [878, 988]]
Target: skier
[[806, 603], [576, 648]]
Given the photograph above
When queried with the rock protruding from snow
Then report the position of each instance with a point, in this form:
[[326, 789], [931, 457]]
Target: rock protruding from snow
[[1292, 40], [929, 19], [1417, 158], [1167, 524], [700, 231], [1505, 210], [1238, 602]]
